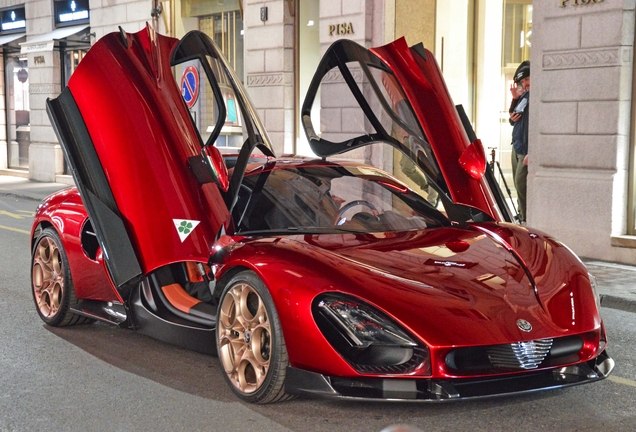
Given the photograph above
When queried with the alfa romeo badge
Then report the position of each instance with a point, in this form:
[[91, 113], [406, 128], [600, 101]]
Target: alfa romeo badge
[[524, 325]]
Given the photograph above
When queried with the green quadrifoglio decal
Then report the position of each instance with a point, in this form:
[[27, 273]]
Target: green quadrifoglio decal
[[184, 227]]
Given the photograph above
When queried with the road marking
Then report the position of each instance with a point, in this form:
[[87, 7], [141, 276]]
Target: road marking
[[624, 381], [28, 212], [13, 215], [16, 230]]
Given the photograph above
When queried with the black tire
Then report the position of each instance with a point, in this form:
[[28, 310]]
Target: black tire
[[250, 342], [51, 281]]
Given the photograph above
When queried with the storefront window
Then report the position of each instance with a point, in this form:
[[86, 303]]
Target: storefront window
[[454, 49], [515, 48], [223, 22], [517, 41], [517, 32], [17, 111], [309, 57], [72, 58], [226, 29]]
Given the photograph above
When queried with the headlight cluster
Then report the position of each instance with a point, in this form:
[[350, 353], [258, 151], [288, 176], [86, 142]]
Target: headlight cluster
[[365, 337], [595, 291]]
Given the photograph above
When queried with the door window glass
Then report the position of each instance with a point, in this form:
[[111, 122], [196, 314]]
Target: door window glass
[[204, 105]]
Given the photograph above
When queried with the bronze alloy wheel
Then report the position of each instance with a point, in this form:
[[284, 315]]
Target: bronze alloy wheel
[[51, 282], [250, 343], [48, 280]]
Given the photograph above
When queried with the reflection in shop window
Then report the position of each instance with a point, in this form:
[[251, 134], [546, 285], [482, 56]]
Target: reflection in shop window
[[18, 111]]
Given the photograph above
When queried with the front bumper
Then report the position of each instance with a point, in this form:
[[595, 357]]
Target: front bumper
[[304, 383]]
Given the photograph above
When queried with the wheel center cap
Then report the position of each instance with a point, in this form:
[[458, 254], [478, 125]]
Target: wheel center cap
[[248, 336]]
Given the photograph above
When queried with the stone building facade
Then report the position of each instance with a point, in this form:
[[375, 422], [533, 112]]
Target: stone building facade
[[581, 133], [42, 47]]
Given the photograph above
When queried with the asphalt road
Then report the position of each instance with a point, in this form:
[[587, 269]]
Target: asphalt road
[[101, 378]]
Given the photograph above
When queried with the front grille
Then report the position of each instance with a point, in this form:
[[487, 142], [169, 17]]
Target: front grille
[[519, 355], [516, 356]]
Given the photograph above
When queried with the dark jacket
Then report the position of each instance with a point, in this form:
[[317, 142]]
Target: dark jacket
[[520, 128]]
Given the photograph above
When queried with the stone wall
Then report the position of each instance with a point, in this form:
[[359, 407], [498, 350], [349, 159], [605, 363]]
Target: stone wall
[[269, 65], [580, 110]]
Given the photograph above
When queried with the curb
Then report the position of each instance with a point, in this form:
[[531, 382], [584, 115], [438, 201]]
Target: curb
[[21, 195], [620, 303]]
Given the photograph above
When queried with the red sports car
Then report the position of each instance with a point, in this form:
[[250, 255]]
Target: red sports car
[[393, 272]]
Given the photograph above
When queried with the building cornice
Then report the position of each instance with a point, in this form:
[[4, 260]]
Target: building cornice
[[575, 59]]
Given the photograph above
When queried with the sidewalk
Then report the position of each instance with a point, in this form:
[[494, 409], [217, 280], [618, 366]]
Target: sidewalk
[[616, 282], [25, 188]]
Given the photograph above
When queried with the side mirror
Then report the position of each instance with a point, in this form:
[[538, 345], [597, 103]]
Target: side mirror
[[473, 160], [215, 166]]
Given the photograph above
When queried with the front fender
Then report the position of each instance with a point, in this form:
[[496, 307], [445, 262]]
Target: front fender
[[65, 212], [294, 278]]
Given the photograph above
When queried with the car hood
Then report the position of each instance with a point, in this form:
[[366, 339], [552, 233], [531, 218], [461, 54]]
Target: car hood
[[449, 286]]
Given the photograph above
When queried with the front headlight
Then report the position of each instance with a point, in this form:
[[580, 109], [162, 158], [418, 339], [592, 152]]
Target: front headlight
[[595, 291], [369, 340]]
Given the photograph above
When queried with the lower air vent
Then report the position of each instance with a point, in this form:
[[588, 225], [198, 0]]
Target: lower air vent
[[519, 355], [419, 356]]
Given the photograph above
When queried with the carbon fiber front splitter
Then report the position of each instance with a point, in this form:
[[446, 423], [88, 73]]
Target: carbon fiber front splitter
[[310, 384]]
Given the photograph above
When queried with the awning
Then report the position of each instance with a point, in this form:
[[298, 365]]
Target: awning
[[10, 38], [46, 42]]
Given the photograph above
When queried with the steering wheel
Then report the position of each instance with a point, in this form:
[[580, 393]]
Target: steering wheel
[[340, 220]]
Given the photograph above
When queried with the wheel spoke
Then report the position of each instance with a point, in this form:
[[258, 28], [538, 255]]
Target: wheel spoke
[[261, 313]]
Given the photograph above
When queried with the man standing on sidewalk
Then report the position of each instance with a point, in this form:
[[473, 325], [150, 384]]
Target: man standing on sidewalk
[[519, 119]]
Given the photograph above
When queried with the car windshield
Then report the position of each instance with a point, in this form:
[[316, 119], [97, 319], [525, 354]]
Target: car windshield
[[320, 197]]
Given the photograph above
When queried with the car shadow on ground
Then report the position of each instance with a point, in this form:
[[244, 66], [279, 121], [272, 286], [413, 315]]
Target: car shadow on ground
[[201, 375], [180, 369]]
